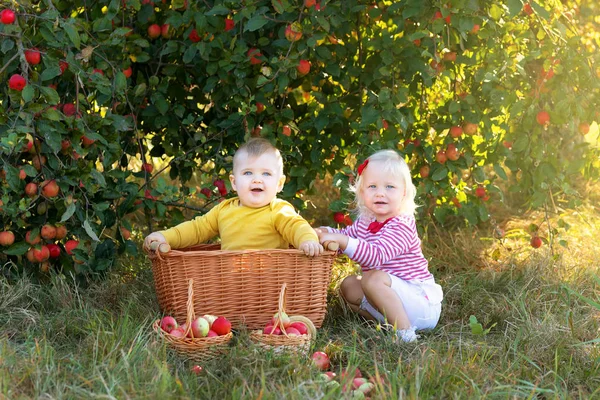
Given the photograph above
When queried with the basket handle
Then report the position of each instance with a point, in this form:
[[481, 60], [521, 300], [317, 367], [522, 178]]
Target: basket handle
[[281, 309], [190, 308], [331, 245]]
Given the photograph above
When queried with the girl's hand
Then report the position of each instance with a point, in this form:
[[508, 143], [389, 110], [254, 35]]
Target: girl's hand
[[311, 248], [340, 239], [154, 237]]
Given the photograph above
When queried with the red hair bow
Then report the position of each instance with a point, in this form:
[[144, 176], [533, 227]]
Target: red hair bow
[[362, 166]]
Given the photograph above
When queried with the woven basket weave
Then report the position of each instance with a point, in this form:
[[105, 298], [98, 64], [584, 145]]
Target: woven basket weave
[[244, 285], [197, 349], [284, 341]]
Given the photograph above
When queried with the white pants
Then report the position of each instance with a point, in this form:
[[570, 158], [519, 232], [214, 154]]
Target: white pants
[[422, 302]]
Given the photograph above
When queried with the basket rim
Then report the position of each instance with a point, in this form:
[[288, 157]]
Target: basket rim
[[205, 250]]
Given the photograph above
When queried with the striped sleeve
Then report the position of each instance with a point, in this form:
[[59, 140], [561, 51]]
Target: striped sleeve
[[394, 240]]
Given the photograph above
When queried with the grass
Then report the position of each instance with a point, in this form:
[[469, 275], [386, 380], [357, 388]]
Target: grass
[[541, 332]]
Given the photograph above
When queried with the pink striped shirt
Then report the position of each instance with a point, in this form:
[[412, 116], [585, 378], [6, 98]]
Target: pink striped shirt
[[395, 249]]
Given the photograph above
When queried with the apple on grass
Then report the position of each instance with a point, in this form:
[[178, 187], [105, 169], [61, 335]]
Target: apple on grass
[[320, 360]]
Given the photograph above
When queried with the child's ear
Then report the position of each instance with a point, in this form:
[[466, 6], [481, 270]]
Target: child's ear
[[280, 183], [232, 180]]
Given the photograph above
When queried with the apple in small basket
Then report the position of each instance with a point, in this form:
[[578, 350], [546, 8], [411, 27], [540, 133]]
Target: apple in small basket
[[168, 323], [221, 326], [210, 319], [285, 320], [200, 327], [300, 327], [177, 332]]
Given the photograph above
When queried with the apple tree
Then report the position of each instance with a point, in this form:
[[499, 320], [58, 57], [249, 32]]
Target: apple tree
[[110, 108]]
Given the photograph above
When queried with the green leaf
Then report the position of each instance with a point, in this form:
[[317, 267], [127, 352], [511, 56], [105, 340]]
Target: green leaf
[[68, 212], [120, 82], [50, 73], [514, 7], [52, 137], [189, 54], [500, 171], [98, 177], [476, 327], [7, 45], [17, 249], [27, 93], [323, 23], [72, 33], [90, 231], [298, 171], [52, 114], [49, 94], [440, 174], [255, 23], [278, 6], [218, 10]]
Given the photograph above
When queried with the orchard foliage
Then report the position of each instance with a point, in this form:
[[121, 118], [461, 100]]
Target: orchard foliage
[[95, 90]]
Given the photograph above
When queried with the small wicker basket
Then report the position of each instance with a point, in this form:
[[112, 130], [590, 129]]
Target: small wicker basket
[[284, 341], [242, 285], [197, 349]]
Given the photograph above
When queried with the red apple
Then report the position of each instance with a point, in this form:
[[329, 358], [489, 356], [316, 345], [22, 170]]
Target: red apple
[[452, 153], [71, 245], [206, 192], [168, 323], [154, 31], [527, 9], [7, 238], [48, 232], [196, 369], [212, 333], [165, 31], [300, 327], [320, 360], [480, 192], [86, 141], [254, 53], [127, 72], [584, 128], [31, 189], [292, 331], [456, 131], [17, 82], [470, 128], [32, 240], [543, 118], [61, 232], [338, 217], [303, 67], [424, 171], [309, 3], [63, 65], [41, 254], [271, 330], [147, 167], [286, 130], [221, 326], [33, 56], [126, 233], [194, 37], [177, 332], [54, 250], [69, 109], [7, 16], [229, 24], [441, 157], [357, 382], [293, 32], [260, 107], [536, 242], [50, 188]]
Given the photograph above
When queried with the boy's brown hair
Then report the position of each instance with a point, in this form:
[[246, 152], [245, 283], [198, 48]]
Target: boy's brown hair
[[255, 147]]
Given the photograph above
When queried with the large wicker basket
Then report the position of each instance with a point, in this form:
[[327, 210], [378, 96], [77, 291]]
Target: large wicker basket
[[242, 286], [197, 349], [283, 342]]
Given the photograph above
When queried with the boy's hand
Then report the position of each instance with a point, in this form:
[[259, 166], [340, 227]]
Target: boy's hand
[[154, 237], [320, 231], [311, 248]]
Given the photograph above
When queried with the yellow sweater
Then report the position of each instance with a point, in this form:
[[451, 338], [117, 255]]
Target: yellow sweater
[[273, 226]]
